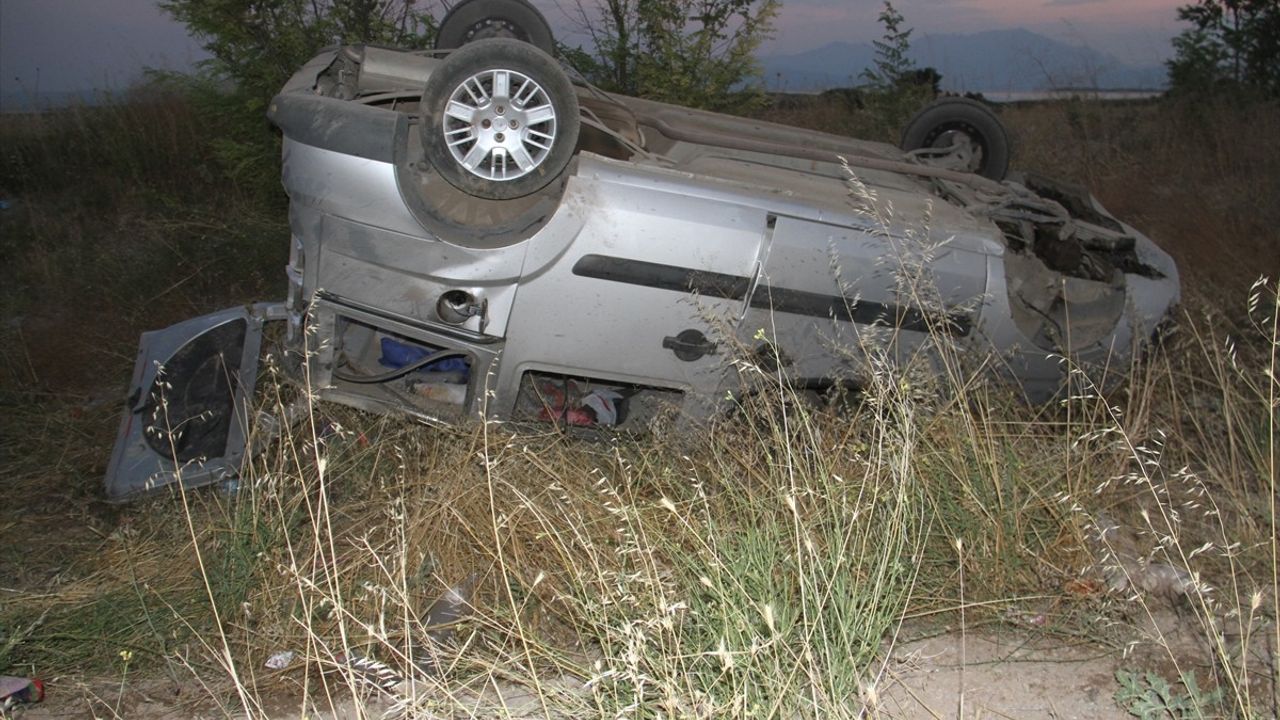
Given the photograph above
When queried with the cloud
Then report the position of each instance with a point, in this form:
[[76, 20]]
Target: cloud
[[1061, 3]]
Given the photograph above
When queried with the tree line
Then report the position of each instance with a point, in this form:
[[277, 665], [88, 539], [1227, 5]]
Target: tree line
[[1232, 46], [700, 53]]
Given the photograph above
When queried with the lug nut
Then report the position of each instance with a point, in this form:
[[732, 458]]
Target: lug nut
[[485, 123], [500, 110], [499, 137], [513, 124]]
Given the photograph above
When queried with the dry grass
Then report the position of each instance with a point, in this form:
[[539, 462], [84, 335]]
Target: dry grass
[[762, 566], [119, 220]]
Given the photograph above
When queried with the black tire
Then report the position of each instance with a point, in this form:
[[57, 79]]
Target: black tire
[[493, 123], [941, 117], [472, 20]]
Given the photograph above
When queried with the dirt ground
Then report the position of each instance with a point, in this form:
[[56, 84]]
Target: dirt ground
[[952, 675], [1000, 676]]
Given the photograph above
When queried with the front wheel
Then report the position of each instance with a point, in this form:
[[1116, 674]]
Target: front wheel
[[499, 119]]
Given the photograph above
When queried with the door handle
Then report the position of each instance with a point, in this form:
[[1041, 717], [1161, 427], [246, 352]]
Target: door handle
[[689, 345]]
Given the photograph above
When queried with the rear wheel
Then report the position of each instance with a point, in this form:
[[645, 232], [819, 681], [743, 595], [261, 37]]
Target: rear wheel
[[960, 134], [499, 119], [472, 20]]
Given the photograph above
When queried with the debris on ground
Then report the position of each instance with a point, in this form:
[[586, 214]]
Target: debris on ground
[[15, 691], [280, 660]]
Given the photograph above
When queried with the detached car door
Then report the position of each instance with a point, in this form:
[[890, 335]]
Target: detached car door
[[186, 419]]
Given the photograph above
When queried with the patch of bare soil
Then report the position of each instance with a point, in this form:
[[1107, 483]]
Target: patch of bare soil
[[97, 699], [993, 675], [972, 676]]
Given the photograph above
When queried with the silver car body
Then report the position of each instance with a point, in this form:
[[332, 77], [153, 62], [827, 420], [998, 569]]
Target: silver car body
[[652, 259]]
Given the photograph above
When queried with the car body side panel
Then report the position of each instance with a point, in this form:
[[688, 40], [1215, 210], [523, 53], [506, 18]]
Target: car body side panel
[[823, 288], [361, 243], [645, 265], [406, 275], [359, 189]]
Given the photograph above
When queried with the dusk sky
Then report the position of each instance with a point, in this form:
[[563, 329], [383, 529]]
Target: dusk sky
[[61, 45]]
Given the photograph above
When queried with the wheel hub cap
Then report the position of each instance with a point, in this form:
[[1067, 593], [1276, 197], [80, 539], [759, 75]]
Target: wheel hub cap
[[499, 124]]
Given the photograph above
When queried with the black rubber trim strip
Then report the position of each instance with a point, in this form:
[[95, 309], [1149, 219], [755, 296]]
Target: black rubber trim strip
[[796, 302], [863, 312], [338, 125], [662, 277]]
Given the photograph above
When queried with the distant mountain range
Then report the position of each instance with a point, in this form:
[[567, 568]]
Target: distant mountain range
[[994, 61]]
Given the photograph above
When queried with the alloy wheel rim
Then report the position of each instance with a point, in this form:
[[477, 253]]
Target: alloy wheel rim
[[499, 124]]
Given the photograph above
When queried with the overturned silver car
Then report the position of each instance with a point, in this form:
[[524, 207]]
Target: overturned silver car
[[474, 234]]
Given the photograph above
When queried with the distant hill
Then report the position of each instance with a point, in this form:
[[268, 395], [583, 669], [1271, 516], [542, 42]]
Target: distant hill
[[994, 61]]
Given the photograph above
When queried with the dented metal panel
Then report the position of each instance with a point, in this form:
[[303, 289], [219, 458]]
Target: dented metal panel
[[186, 420]]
